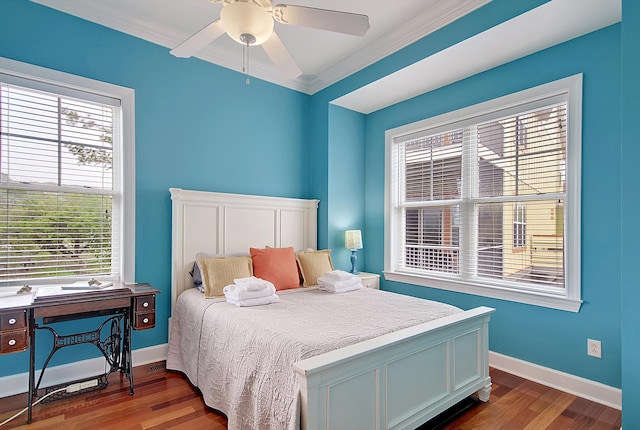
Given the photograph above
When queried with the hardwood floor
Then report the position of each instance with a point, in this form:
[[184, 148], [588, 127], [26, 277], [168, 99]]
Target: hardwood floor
[[166, 400]]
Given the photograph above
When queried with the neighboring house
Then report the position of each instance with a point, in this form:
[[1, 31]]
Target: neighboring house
[[198, 126], [522, 157]]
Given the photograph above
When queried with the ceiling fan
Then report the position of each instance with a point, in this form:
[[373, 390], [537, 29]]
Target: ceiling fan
[[251, 22]]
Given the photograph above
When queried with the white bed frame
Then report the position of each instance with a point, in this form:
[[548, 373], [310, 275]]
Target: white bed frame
[[396, 381]]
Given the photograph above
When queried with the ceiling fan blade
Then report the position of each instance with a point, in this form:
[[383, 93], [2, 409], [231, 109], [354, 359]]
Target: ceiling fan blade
[[280, 57], [199, 40], [323, 19]]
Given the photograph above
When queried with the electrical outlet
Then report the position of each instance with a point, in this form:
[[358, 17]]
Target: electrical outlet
[[594, 348]]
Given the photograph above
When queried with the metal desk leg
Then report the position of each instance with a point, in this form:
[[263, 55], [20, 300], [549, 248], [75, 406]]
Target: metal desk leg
[[126, 350], [32, 362]]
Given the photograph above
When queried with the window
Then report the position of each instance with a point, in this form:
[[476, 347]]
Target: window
[[65, 178], [519, 225], [475, 198]]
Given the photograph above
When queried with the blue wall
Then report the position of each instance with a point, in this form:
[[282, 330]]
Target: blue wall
[[630, 227], [325, 129], [547, 337], [318, 150], [198, 126], [345, 183], [337, 169]]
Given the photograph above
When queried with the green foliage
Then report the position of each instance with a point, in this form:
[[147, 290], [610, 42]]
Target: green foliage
[[88, 154], [54, 232], [45, 234]]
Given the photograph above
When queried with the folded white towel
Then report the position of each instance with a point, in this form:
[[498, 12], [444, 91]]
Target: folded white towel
[[242, 291], [339, 275], [354, 280], [332, 289], [273, 298], [252, 283]]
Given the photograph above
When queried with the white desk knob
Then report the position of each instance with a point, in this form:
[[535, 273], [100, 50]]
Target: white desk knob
[[12, 321], [146, 320], [12, 342], [145, 305]]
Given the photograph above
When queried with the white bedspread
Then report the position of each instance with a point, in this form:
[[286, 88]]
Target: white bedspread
[[241, 357]]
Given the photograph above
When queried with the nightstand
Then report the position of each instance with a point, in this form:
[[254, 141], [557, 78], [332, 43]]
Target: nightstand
[[370, 280]]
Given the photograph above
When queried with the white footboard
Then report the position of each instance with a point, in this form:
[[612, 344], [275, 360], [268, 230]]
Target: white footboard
[[400, 380]]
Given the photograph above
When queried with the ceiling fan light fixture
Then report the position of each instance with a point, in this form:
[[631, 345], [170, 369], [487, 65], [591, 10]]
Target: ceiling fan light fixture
[[245, 22]]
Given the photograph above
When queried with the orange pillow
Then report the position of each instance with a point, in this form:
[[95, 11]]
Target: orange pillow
[[276, 265]]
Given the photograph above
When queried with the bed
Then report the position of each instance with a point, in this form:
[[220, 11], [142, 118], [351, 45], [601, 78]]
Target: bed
[[365, 359]]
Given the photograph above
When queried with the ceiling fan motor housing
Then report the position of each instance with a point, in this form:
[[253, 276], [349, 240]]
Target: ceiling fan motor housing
[[251, 22], [247, 23]]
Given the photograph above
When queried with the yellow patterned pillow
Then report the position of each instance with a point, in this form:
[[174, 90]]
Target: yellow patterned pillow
[[314, 264], [219, 272]]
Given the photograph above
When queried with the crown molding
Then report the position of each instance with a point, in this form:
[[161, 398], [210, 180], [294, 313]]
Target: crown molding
[[436, 15], [258, 69], [515, 38], [94, 12]]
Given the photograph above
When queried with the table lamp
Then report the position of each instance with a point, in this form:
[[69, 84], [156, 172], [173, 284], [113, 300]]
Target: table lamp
[[353, 241]]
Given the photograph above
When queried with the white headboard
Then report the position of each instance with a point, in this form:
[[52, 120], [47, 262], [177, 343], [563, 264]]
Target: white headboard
[[223, 224]]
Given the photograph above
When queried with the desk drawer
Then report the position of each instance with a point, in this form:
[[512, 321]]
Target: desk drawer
[[145, 304], [144, 312], [14, 341], [144, 321], [13, 320]]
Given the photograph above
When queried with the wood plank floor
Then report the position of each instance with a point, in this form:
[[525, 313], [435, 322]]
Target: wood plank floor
[[166, 400]]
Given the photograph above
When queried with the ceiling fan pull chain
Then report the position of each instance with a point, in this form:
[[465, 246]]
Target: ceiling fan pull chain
[[245, 61], [251, 22]]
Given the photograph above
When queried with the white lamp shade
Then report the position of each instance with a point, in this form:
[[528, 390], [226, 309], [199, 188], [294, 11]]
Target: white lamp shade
[[246, 18], [353, 239]]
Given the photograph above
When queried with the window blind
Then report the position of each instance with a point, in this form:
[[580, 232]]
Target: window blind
[[485, 201], [59, 202]]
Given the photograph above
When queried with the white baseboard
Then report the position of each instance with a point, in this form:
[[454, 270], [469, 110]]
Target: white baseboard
[[19, 383], [591, 390]]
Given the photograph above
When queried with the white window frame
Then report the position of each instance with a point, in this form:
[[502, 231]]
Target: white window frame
[[519, 220], [569, 89], [41, 78]]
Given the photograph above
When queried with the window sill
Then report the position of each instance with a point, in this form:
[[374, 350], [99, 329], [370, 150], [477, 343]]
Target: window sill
[[527, 297]]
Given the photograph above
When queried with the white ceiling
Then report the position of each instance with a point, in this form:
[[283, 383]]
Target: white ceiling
[[554, 22], [324, 57]]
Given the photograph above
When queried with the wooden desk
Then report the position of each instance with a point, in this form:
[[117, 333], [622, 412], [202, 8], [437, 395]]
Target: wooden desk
[[125, 307]]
